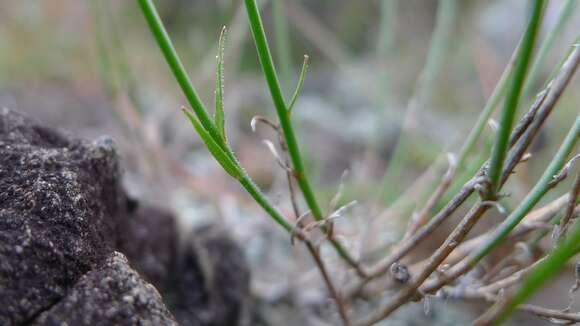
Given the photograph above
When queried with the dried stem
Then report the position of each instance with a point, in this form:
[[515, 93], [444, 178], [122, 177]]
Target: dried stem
[[548, 104], [541, 312], [421, 218], [461, 231], [466, 191], [511, 221], [309, 245], [567, 219], [501, 146], [328, 281]]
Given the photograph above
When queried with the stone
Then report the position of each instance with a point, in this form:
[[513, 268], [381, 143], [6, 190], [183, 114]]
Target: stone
[[59, 199], [112, 294]]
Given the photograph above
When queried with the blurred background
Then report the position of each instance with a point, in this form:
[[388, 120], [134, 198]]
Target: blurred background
[[92, 68]]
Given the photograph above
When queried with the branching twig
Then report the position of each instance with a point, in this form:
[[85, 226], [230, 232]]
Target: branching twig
[[555, 92], [566, 220], [421, 218], [461, 231], [541, 312], [285, 162]]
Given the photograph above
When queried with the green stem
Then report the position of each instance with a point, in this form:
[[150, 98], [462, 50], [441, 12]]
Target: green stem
[[164, 41], [490, 106], [544, 271], [269, 71], [172, 58], [536, 69], [508, 114], [261, 199], [276, 93], [539, 190]]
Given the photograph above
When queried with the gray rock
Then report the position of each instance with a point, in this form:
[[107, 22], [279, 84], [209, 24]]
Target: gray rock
[[112, 294], [59, 199], [63, 214]]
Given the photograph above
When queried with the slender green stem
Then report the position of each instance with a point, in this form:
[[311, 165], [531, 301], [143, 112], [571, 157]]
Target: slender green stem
[[547, 45], [539, 190], [544, 271], [261, 199], [490, 106], [513, 96], [269, 71], [276, 93], [299, 85], [177, 68], [501, 87], [207, 130]]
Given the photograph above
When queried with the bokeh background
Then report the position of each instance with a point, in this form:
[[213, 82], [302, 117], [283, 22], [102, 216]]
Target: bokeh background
[[92, 68]]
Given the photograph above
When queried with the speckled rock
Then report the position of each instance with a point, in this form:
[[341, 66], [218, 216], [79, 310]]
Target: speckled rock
[[113, 294], [63, 214], [203, 276], [59, 199]]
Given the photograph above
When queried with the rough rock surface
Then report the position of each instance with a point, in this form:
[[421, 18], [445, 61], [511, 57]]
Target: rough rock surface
[[207, 283], [63, 214], [58, 202], [113, 294]]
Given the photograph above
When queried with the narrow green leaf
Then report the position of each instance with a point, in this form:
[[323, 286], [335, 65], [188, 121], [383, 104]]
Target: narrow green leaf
[[229, 166], [219, 116], [535, 195], [166, 46], [500, 146], [299, 86], [544, 271]]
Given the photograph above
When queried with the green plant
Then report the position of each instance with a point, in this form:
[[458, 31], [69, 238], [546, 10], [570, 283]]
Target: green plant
[[486, 178], [512, 99]]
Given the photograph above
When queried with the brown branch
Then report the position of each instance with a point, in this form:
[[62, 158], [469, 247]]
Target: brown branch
[[555, 91], [479, 209], [409, 292], [467, 264], [532, 309], [309, 245], [466, 191], [534, 220], [566, 220], [329, 284], [421, 218]]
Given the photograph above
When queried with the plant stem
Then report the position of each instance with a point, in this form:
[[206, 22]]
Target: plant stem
[[490, 106], [261, 199], [271, 76], [501, 143], [172, 58], [164, 41], [547, 269], [536, 69], [539, 190], [278, 99]]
